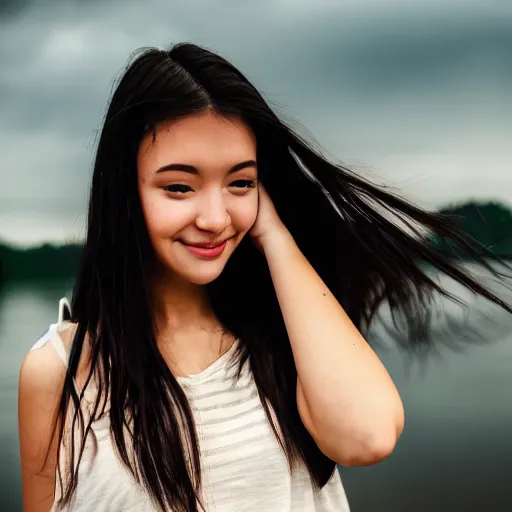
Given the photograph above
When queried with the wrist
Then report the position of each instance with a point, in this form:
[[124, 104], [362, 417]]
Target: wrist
[[277, 240]]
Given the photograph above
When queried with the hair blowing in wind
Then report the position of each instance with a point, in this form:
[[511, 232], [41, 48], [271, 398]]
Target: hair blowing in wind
[[369, 247]]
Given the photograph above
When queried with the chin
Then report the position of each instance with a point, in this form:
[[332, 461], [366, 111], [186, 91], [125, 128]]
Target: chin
[[203, 279], [202, 276]]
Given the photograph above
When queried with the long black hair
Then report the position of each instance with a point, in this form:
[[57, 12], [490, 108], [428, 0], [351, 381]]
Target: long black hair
[[374, 248]]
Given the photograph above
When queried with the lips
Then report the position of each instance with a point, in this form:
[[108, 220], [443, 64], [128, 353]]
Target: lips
[[207, 245], [210, 250]]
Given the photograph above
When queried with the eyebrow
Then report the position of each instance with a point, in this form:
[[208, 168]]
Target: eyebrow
[[193, 170]]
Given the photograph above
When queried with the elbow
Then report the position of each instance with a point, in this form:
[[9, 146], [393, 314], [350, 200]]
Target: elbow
[[364, 450], [371, 454], [362, 443]]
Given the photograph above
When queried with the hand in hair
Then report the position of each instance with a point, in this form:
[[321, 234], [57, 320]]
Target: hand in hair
[[268, 223]]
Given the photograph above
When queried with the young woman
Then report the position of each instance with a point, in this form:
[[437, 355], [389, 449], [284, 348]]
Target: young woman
[[212, 357]]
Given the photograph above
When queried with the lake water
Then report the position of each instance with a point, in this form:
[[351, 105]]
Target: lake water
[[454, 454]]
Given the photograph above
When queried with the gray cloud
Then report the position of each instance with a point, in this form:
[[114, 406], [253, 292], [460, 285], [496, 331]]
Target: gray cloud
[[418, 95], [10, 9]]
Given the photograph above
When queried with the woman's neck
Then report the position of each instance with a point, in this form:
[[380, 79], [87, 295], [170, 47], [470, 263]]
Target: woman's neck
[[180, 304], [189, 335]]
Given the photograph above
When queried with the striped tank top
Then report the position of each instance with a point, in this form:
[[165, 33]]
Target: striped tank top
[[243, 466]]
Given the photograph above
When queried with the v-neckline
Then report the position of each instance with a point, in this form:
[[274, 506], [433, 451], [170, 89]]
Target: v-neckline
[[210, 369]]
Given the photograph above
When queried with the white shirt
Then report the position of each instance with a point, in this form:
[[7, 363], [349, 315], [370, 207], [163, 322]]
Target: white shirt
[[243, 466]]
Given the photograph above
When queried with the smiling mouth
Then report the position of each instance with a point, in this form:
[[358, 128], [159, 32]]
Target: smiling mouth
[[209, 245]]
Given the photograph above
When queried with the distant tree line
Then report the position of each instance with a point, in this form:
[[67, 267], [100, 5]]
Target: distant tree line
[[490, 224], [45, 261]]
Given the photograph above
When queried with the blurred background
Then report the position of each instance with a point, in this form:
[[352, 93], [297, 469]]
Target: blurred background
[[414, 94]]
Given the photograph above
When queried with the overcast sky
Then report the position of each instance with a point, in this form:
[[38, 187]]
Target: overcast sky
[[412, 93]]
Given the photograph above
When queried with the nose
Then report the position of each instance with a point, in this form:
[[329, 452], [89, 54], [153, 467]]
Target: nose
[[212, 215]]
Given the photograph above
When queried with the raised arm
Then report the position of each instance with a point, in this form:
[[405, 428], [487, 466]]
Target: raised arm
[[345, 397]]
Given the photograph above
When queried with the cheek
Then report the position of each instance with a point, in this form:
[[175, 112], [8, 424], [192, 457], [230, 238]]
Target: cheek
[[162, 219], [244, 216]]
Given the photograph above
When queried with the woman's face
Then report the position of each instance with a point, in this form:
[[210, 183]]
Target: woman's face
[[197, 185]]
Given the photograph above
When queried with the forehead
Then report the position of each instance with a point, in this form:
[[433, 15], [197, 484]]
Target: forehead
[[202, 140]]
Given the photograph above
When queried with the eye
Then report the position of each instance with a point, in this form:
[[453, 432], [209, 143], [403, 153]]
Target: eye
[[243, 184], [178, 188]]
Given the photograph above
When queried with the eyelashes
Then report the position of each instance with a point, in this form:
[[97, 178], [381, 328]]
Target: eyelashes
[[243, 184], [178, 189], [183, 189]]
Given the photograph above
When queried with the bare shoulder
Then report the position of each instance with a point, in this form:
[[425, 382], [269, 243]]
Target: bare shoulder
[[42, 370], [42, 367]]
